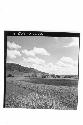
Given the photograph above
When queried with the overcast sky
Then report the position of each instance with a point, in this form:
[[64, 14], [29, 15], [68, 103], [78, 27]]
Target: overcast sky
[[58, 55]]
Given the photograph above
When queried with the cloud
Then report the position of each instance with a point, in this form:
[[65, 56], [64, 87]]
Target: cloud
[[66, 61], [41, 51], [13, 53], [45, 67], [34, 51], [34, 60], [74, 43], [28, 53], [67, 65], [13, 45], [38, 64]]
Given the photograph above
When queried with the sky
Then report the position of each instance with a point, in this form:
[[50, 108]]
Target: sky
[[57, 55]]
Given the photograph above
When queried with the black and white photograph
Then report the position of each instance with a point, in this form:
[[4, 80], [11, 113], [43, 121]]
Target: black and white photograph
[[41, 70]]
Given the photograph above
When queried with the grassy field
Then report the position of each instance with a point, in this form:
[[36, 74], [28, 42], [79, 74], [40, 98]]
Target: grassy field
[[41, 93]]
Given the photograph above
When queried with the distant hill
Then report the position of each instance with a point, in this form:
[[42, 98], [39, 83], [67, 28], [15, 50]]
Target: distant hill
[[13, 69], [16, 69]]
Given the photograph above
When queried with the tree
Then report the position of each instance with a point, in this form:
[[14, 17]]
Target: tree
[[34, 75], [58, 76], [10, 75], [53, 75], [43, 76]]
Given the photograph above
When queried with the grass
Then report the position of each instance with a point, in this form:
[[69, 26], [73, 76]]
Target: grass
[[45, 94]]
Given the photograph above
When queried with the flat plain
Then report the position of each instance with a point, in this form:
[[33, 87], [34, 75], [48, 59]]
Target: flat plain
[[41, 93]]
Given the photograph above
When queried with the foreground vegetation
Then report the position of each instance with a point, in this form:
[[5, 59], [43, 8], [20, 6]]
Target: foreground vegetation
[[25, 94]]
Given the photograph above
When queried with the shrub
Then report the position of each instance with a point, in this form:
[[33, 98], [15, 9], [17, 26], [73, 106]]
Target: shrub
[[10, 75]]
